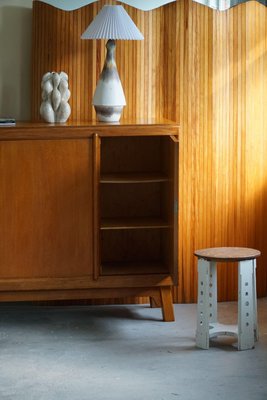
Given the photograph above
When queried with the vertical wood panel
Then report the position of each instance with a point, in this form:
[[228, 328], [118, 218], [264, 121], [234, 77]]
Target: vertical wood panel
[[207, 70], [223, 147]]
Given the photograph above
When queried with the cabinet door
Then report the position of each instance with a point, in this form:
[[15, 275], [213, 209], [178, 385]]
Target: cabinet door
[[45, 210]]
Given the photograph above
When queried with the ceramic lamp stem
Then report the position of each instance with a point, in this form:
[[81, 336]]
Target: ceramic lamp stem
[[109, 97]]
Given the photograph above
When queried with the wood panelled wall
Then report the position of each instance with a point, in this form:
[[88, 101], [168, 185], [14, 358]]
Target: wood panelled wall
[[57, 46], [207, 70]]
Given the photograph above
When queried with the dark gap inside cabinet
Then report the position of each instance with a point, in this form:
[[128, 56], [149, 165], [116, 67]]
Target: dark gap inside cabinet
[[136, 207]]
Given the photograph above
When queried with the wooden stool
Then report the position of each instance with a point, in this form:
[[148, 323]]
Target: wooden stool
[[207, 326]]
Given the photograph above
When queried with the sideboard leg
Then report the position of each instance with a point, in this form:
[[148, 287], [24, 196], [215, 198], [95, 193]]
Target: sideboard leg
[[155, 301], [167, 305]]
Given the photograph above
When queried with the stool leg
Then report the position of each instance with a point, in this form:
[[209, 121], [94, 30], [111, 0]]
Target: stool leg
[[202, 333], [245, 305], [255, 313], [213, 292]]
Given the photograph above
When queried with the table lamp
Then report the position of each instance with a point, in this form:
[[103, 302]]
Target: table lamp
[[112, 23]]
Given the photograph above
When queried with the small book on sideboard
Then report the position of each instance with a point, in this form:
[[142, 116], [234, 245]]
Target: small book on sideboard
[[7, 122]]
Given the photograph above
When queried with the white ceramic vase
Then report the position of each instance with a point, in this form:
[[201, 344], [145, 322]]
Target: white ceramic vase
[[55, 96]]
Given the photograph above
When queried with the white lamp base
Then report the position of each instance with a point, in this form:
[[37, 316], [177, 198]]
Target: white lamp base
[[108, 113], [109, 97]]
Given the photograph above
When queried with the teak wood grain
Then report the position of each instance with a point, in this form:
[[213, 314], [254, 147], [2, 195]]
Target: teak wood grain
[[207, 70], [87, 129], [46, 208]]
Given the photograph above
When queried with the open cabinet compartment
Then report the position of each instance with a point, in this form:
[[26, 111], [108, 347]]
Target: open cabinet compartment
[[136, 205]]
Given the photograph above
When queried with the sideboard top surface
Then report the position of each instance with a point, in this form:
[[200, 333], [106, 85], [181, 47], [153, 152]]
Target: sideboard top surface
[[41, 130]]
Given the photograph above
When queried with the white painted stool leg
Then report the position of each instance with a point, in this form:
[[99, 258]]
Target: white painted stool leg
[[255, 313], [213, 292], [202, 333], [245, 305]]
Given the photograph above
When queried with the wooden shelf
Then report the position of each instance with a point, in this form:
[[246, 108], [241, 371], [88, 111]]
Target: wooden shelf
[[134, 178], [133, 223], [133, 268]]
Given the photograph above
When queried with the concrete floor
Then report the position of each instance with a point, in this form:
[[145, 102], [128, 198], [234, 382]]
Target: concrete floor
[[123, 353]]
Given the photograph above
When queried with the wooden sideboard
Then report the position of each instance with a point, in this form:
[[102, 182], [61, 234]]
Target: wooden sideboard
[[89, 211]]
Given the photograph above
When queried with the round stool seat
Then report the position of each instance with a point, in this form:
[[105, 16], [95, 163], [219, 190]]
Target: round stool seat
[[222, 254]]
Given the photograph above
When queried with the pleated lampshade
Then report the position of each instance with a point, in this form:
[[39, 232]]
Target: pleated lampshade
[[112, 22]]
